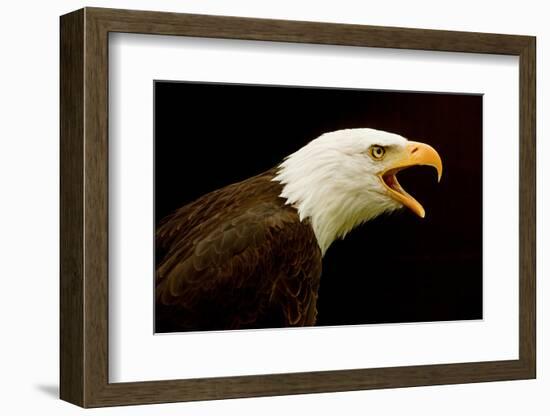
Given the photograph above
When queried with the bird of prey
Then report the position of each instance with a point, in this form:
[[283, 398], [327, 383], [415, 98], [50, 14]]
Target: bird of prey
[[249, 255]]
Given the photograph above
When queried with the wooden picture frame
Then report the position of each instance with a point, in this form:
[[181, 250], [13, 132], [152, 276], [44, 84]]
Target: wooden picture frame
[[84, 207]]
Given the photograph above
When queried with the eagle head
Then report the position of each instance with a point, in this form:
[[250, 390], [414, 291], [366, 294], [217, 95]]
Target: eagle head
[[346, 177]]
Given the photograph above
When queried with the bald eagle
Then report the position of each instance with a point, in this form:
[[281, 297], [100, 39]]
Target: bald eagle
[[249, 255]]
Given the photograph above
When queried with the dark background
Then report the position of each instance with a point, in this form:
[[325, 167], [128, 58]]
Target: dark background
[[396, 268]]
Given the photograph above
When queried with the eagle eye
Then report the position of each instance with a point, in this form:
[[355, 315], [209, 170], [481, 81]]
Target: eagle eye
[[377, 152]]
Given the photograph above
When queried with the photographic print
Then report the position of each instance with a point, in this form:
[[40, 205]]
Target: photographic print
[[285, 206], [388, 200]]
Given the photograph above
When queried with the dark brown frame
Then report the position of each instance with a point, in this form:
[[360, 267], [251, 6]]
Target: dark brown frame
[[84, 214]]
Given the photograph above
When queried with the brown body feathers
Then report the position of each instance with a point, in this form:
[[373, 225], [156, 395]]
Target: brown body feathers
[[237, 257]]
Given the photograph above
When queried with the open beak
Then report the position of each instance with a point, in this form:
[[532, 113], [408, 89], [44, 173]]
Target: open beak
[[416, 154]]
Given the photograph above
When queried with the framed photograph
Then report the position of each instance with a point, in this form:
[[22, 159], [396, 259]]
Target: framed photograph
[[255, 207]]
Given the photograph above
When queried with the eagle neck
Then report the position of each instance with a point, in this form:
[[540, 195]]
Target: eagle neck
[[330, 208]]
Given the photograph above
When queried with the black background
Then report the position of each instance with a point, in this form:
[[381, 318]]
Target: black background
[[396, 268]]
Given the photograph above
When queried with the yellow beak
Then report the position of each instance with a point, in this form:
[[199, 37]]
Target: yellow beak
[[416, 154]]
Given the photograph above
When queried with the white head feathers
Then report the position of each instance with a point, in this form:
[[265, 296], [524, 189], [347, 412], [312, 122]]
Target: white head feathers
[[334, 181]]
